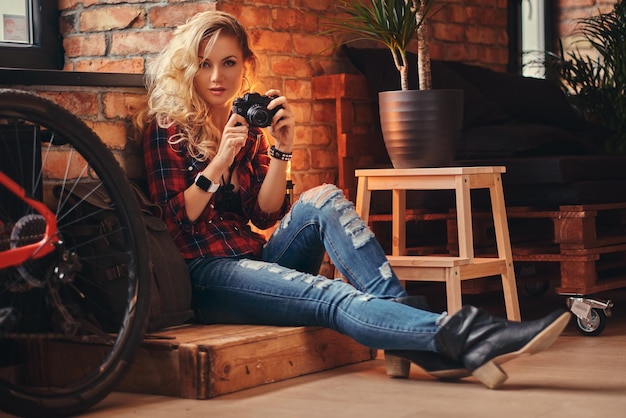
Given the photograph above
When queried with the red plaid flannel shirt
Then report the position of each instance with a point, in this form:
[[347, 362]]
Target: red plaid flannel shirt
[[171, 170]]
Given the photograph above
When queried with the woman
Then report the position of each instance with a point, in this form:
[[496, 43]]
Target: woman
[[213, 171]]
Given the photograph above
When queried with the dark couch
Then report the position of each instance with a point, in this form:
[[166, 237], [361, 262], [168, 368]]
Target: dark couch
[[552, 155]]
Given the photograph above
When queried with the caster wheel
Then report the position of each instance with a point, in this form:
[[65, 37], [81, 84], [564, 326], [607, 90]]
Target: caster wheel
[[595, 326]]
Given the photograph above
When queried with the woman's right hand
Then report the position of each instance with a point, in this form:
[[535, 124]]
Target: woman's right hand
[[233, 139]]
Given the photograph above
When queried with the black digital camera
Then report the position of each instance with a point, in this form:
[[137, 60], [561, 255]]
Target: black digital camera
[[253, 107]]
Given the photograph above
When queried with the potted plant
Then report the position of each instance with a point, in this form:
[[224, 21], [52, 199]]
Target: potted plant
[[421, 128], [596, 85]]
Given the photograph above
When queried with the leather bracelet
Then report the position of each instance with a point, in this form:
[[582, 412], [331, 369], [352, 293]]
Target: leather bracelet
[[284, 156]]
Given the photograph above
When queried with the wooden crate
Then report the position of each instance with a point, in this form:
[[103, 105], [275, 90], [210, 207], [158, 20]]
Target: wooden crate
[[205, 361]]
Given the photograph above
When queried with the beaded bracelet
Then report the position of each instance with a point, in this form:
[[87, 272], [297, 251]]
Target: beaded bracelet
[[284, 156]]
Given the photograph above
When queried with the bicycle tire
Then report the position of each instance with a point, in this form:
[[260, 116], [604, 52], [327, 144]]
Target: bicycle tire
[[32, 383]]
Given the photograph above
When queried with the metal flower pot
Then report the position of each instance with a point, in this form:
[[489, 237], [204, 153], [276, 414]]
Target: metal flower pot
[[421, 128]]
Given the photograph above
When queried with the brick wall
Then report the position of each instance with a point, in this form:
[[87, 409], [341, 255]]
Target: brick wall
[[121, 36], [108, 112]]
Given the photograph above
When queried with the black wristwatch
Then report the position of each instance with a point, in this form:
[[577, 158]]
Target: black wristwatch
[[205, 184]]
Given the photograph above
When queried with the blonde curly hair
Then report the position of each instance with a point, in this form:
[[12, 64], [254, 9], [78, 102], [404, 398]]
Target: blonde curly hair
[[172, 98]]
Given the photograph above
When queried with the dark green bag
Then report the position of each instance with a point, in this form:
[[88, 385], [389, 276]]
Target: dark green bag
[[103, 261]]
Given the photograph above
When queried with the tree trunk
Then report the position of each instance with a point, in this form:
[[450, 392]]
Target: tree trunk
[[423, 52]]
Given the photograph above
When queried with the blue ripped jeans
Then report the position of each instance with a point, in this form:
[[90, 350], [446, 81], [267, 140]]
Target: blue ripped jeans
[[284, 289]]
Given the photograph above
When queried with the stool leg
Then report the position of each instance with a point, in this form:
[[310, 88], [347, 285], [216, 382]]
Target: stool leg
[[454, 296], [503, 241], [510, 293]]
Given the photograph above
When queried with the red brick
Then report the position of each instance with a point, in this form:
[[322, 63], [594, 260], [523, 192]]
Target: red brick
[[575, 3], [294, 20], [84, 45], [448, 32], [486, 36], [283, 65], [298, 89], [81, 104], [266, 40], [324, 112], [310, 44], [113, 134], [267, 83], [314, 4], [263, 65], [139, 43], [323, 158], [303, 134], [109, 18], [71, 4], [301, 111], [300, 160], [122, 104], [128, 66], [249, 16], [57, 164], [321, 135], [455, 13], [174, 15], [453, 52]]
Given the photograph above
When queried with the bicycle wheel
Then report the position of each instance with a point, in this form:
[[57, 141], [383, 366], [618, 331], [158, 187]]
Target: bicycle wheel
[[57, 359]]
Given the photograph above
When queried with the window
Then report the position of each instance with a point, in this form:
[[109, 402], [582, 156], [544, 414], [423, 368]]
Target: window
[[530, 35], [15, 24], [29, 34]]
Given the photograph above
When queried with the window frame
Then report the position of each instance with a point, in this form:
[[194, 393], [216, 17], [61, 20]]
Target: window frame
[[46, 49]]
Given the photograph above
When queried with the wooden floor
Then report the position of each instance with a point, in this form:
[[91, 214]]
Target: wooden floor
[[578, 377]]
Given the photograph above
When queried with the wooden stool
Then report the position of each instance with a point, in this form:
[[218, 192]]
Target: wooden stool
[[448, 269]]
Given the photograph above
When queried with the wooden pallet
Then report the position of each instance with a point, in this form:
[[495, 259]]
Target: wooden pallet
[[205, 361], [586, 242]]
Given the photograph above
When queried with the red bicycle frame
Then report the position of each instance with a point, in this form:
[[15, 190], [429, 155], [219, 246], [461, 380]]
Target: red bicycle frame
[[18, 255]]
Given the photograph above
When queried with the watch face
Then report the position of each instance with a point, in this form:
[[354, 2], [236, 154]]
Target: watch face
[[205, 184]]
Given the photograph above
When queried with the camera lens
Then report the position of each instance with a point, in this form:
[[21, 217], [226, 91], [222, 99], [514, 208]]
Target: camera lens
[[258, 116]]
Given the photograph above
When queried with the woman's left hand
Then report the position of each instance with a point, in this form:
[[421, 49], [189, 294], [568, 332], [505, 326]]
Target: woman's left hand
[[283, 123]]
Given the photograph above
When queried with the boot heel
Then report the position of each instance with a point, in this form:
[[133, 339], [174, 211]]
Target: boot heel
[[490, 375], [397, 366]]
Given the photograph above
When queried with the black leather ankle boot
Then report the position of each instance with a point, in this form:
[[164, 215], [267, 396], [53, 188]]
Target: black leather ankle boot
[[483, 342], [398, 362]]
